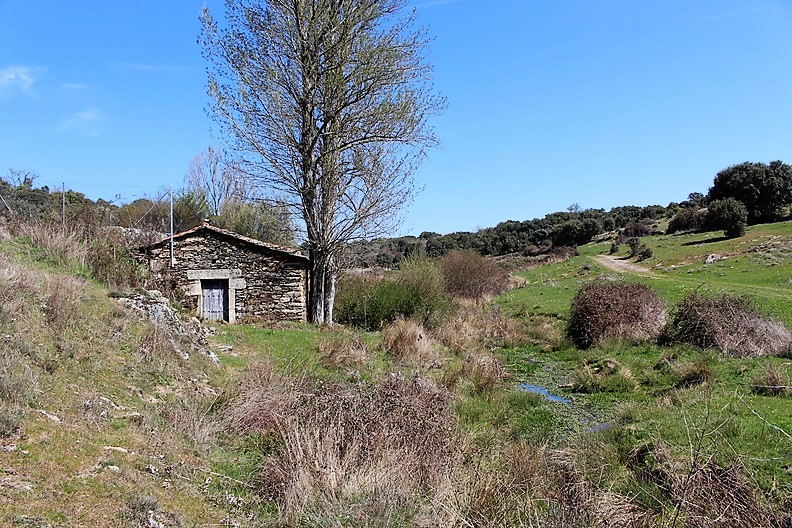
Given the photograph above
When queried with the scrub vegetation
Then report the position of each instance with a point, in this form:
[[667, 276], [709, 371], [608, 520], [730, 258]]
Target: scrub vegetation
[[473, 408]]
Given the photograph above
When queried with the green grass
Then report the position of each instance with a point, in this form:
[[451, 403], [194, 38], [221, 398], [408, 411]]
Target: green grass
[[758, 265], [652, 394]]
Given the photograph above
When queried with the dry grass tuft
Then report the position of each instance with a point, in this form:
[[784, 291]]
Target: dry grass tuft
[[485, 371], [18, 381], [728, 324], [475, 327], [343, 351], [406, 340], [774, 381], [604, 310], [342, 444], [691, 373], [61, 246], [61, 298]]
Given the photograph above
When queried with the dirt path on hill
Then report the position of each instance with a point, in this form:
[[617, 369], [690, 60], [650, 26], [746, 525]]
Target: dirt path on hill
[[622, 266]]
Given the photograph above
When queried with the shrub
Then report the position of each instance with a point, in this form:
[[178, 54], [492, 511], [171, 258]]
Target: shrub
[[415, 291], [728, 324], [111, 261], [644, 253], [614, 248], [636, 230], [635, 246], [728, 214], [468, 274], [687, 221], [603, 310]]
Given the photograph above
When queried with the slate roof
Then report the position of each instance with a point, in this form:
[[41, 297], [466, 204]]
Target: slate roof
[[291, 252]]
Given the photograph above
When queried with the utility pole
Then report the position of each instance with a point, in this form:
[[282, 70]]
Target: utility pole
[[172, 257], [63, 204]]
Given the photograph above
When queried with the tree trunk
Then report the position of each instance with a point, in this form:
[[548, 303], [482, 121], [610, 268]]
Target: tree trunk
[[322, 287], [316, 289], [329, 294]]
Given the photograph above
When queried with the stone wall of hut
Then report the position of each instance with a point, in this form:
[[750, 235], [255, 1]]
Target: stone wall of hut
[[263, 283]]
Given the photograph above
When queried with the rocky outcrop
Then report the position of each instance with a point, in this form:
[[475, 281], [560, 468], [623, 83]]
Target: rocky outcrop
[[186, 335]]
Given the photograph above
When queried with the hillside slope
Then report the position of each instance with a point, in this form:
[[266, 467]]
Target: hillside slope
[[102, 412]]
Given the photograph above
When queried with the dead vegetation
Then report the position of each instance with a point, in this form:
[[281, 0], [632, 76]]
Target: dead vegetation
[[485, 371], [773, 381], [728, 324], [375, 446], [474, 328], [342, 351], [407, 341], [603, 310]]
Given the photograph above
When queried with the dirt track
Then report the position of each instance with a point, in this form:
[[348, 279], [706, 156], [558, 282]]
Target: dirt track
[[622, 266]]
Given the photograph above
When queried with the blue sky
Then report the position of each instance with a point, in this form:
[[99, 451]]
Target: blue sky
[[550, 103]]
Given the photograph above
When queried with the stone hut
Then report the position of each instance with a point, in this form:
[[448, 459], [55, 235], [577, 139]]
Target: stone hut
[[229, 277]]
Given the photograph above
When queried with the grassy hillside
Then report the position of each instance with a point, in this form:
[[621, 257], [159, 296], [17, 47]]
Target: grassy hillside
[[107, 419], [100, 416]]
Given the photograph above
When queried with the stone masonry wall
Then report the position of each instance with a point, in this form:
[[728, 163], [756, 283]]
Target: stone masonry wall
[[269, 285]]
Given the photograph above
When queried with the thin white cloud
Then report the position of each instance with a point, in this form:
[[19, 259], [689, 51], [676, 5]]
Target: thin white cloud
[[75, 86], [88, 122], [126, 67], [19, 78]]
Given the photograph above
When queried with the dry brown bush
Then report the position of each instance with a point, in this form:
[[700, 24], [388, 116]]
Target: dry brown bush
[[712, 496], [467, 274], [406, 340], [728, 324], [342, 351], [484, 370], [261, 400], [603, 310]]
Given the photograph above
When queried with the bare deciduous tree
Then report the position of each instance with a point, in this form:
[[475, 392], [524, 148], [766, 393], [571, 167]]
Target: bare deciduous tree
[[327, 102], [216, 179]]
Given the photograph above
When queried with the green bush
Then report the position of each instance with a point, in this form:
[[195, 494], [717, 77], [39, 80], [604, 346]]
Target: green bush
[[415, 291], [687, 221], [728, 214]]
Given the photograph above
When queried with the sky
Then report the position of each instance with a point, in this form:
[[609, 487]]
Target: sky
[[549, 103]]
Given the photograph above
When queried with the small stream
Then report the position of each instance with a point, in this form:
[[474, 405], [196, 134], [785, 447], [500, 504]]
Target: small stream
[[536, 389], [588, 419]]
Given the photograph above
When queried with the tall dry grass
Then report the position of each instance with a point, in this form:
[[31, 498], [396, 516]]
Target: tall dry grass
[[342, 351], [407, 341], [375, 446], [476, 327]]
